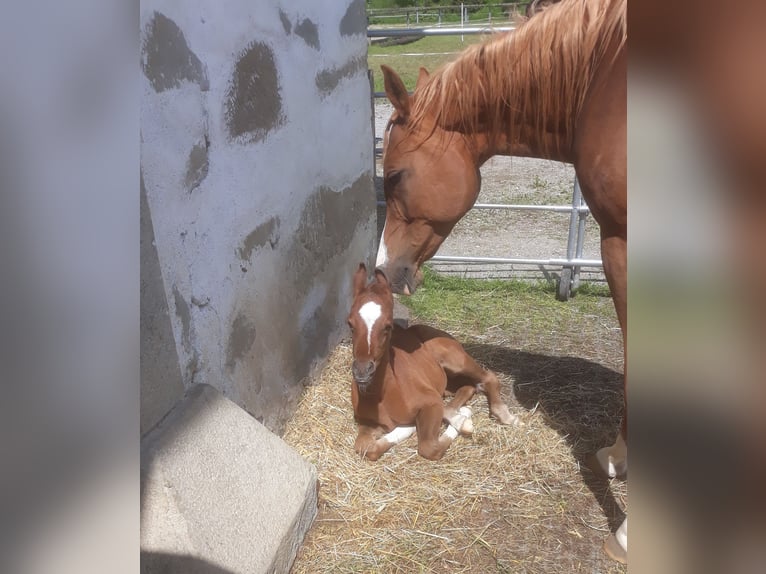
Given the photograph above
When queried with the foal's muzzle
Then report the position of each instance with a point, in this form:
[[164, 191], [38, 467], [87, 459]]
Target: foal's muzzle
[[363, 372]]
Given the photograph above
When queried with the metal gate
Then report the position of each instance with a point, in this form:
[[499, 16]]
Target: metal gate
[[578, 211]]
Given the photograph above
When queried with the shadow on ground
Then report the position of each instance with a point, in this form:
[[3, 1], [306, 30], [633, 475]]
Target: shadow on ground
[[580, 399]]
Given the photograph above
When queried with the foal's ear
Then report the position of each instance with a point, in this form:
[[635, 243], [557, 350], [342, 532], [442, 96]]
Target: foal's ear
[[396, 91], [381, 278], [422, 77], [360, 279]]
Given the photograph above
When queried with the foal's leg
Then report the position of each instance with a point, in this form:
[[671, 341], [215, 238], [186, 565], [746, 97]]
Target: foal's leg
[[372, 443], [455, 408], [429, 424], [461, 364]]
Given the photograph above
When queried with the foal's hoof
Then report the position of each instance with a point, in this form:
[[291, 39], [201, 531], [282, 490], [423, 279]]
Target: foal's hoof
[[504, 416], [466, 429]]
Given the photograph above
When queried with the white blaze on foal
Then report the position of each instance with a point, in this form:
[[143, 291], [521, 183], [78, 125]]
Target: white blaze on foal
[[370, 312]]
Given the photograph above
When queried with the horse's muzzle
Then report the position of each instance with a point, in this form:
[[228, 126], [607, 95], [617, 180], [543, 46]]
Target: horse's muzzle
[[403, 279], [363, 372]]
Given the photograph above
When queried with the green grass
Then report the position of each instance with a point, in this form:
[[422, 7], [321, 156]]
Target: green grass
[[408, 66], [472, 306]]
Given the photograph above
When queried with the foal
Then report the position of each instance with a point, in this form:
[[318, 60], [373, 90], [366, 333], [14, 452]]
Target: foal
[[400, 377]]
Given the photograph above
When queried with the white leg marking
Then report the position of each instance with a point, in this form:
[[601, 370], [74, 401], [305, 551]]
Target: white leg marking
[[370, 312], [616, 545], [467, 427], [382, 258], [614, 459], [451, 432], [622, 534], [457, 422], [399, 434]]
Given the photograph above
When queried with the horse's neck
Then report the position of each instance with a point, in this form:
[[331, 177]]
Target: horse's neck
[[485, 146]]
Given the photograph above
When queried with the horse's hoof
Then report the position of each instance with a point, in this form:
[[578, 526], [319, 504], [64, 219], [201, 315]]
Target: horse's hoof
[[616, 545], [613, 460]]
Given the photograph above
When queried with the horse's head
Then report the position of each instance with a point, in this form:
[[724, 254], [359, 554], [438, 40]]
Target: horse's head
[[371, 321], [430, 178]]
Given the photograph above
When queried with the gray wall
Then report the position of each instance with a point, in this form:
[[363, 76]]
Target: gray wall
[[256, 198]]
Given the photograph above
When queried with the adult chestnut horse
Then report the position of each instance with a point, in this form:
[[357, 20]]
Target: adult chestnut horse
[[400, 377], [554, 88]]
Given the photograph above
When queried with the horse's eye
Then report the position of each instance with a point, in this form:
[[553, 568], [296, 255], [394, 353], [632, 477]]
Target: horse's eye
[[392, 179]]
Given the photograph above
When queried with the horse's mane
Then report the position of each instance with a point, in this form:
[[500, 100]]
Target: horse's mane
[[543, 69]]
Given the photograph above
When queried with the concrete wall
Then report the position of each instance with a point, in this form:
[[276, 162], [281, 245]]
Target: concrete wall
[[257, 197]]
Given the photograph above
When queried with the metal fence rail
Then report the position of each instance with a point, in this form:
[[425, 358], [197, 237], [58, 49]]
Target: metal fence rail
[[578, 211]]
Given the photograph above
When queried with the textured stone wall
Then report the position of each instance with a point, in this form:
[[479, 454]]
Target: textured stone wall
[[257, 197]]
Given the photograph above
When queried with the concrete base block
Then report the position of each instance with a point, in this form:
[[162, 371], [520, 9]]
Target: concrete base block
[[221, 493]]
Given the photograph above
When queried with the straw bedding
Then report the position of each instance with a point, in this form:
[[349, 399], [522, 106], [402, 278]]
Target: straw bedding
[[507, 499]]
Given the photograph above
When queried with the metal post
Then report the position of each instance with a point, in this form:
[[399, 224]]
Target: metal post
[[567, 271], [580, 240], [461, 20]]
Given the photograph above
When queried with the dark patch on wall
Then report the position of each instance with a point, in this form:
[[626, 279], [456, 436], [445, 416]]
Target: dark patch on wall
[[197, 165], [182, 311], [167, 59], [267, 232], [286, 24], [253, 103], [241, 339], [184, 314], [315, 342], [355, 20], [328, 80], [307, 30], [302, 327], [328, 223]]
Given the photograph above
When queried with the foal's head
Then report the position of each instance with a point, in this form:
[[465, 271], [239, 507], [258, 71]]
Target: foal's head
[[371, 321]]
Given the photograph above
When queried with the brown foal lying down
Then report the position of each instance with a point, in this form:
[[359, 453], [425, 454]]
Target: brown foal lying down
[[400, 377]]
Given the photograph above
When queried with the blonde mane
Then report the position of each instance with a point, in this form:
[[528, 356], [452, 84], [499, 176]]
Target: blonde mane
[[541, 72]]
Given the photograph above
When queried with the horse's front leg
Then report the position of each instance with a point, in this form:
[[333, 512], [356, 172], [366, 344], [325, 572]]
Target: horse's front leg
[[371, 443]]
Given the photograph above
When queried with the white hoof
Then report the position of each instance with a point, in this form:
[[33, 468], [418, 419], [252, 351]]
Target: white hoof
[[614, 459], [467, 426], [616, 545]]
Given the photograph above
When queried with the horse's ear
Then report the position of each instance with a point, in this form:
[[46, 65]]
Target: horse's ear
[[360, 279], [396, 91], [422, 77]]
